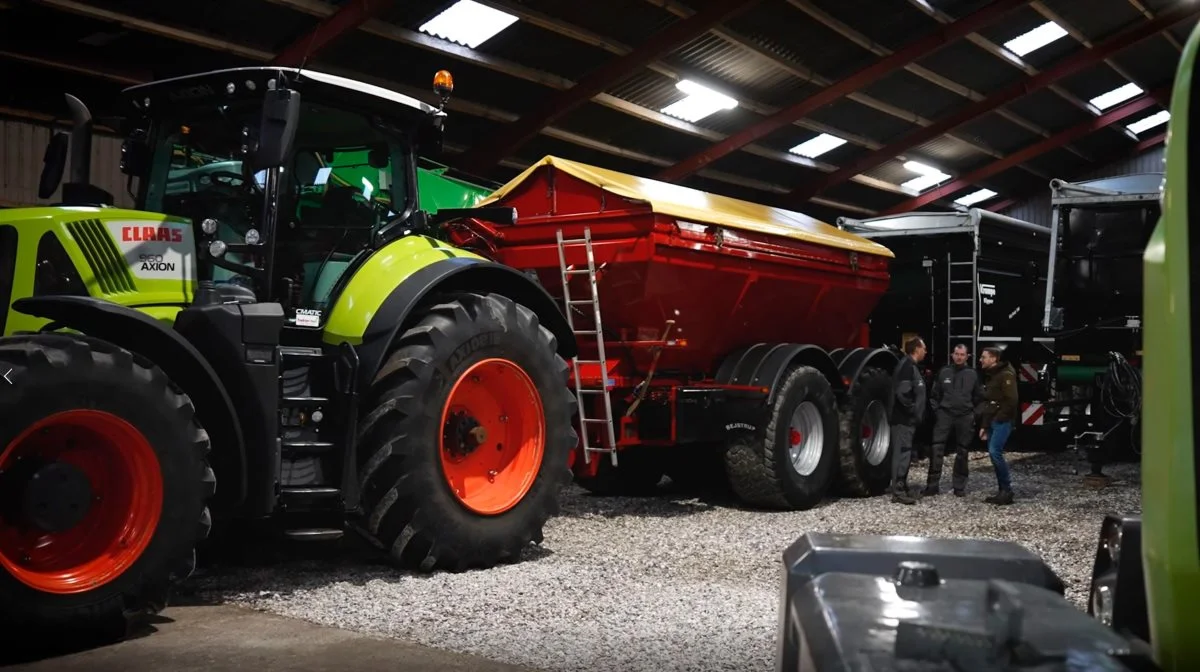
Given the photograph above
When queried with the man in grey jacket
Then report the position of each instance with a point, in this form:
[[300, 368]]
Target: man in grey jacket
[[955, 393], [907, 411]]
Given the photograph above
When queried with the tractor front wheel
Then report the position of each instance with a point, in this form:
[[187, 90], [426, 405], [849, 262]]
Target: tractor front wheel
[[466, 436], [103, 488]]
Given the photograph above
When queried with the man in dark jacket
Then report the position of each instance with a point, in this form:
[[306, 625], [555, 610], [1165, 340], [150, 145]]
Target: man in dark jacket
[[908, 409], [955, 393], [997, 413]]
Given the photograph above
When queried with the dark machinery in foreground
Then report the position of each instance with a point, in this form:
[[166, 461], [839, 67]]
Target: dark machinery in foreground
[[891, 603]]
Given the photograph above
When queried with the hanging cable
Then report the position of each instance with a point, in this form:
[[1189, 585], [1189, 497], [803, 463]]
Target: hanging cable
[[1121, 392]]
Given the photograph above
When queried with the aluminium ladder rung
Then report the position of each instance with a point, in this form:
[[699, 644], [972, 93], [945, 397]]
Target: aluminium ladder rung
[[961, 300], [962, 263], [587, 332], [592, 390], [577, 271], [575, 241]]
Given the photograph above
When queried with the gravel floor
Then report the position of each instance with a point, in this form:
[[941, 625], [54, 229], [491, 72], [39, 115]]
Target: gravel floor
[[665, 583]]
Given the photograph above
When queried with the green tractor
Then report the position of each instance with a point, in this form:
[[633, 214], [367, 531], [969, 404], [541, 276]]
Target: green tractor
[[275, 337]]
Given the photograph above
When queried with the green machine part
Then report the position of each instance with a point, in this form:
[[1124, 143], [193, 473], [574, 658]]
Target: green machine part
[[439, 191], [1170, 473], [1079, 374]]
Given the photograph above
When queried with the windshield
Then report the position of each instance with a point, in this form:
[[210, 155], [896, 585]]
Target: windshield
[[345, 175]]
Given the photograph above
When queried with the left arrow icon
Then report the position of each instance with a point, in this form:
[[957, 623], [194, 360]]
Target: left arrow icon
[[6, 378]]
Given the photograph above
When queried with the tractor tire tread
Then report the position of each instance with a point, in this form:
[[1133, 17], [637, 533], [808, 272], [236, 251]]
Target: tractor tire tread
[[45, 356], [407, 508]]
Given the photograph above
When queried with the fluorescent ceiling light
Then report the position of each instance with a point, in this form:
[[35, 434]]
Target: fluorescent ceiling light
[[814, 147], [920, 168], [701, 101], [929, 176], [1035, 39], [1149, 122], [1117, 95], [468, 22], [975, 197]]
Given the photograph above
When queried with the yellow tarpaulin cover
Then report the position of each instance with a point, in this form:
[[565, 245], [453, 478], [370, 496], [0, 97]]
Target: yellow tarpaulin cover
[[698, 206]]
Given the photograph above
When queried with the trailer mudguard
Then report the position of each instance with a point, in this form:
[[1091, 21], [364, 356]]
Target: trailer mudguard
[[184, 365], [378, 303], [860, 359], [763, 364]]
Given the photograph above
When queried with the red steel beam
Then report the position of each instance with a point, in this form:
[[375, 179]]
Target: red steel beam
[[939, 38], [503, 144], [349, 16], [1069, 66], [1059, 139]]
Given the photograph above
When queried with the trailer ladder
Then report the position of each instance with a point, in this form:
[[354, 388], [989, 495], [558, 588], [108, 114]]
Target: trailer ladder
[[586, 422], [962, 297]]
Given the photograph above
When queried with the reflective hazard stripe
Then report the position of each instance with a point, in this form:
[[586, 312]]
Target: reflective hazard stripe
[[1028, 373], [1032, 413]]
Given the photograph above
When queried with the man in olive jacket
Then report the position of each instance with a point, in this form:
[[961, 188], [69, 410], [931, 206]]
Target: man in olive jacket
[[906, 412], [997, 413], [955, 394]]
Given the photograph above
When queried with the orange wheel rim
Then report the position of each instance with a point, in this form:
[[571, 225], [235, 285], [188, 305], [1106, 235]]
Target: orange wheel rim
[[81, 495], [493, 436]]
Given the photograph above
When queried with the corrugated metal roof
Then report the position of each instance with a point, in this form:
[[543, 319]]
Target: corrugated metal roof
[[1048, 110], [777, 27]]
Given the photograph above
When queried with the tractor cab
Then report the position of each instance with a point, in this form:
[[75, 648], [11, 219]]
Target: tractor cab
[[289, 177]]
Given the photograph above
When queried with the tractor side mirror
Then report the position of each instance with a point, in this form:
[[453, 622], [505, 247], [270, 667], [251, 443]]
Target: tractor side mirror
[[429, 137], [54, 162], [277, 134], [135, 154]]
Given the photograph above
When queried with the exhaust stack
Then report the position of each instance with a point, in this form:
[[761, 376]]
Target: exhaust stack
[[81, 141]]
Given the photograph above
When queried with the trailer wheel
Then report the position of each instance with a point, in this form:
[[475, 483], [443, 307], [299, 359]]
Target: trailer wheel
[[465, 437], [865, 436], [637, 474], [103, 489], [792, 463]]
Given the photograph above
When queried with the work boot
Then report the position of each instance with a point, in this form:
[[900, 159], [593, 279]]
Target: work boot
[[1001, 498], [931, 490], [960, 492], [900, 495]]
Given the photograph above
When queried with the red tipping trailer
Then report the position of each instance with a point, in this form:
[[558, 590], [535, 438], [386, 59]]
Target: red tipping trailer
[[705, 321]]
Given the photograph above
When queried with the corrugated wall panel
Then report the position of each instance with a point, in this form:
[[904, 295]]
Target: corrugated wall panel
[[1037, 208], [22, 146]]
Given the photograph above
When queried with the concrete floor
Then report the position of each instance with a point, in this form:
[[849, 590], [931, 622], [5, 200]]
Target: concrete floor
[[212, 638]]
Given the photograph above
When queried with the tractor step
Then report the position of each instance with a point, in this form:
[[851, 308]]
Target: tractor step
[[297, 352], [299, 448], [314, 534], [304, 401]]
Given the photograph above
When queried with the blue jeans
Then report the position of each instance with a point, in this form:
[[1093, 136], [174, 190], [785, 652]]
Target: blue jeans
[[997, 437]]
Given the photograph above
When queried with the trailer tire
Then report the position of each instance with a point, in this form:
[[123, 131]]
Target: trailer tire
[[638, 472], [762, 467], [475, 374], [126, 463], [865, 436]]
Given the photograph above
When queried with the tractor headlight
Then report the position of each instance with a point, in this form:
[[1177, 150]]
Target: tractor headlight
[[1102, 603], [216, 248], [209, 226], [1117, 595], [252, 237]]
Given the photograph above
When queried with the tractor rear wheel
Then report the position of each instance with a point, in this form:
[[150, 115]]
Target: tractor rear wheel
[[792, 463], [866, 446], [466, 436], [103, 488]]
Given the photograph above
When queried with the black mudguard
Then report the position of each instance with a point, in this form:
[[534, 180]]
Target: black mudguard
[[184, 365], [860, 359], [849, 598], [455, 274], [764, 364]]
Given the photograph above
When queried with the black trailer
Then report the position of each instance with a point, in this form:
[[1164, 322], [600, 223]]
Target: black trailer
[[1101, 229], [973, 277]]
